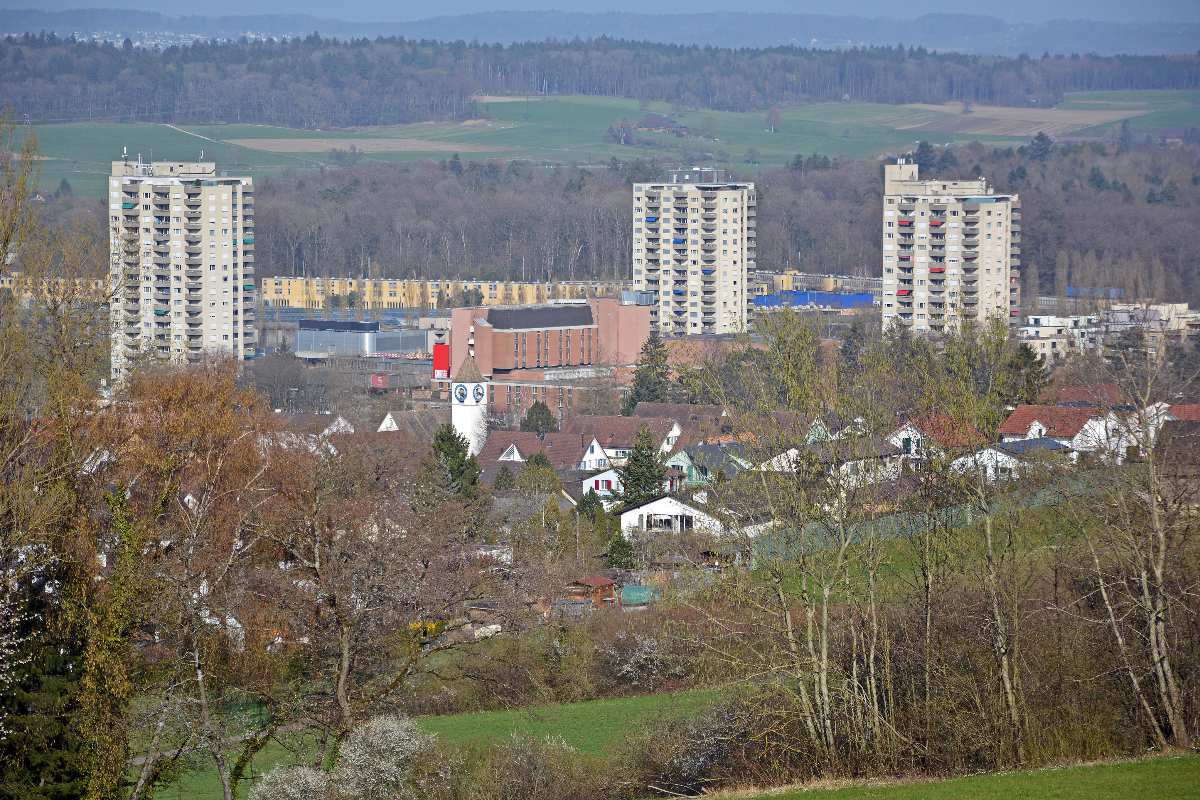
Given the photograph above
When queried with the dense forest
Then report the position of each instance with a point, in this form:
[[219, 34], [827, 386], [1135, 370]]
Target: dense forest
[[964, 33], [317, 83], [1094, 215]]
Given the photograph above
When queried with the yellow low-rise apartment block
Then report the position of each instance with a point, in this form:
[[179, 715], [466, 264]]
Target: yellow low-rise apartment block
[[385, 293], [24, 288]]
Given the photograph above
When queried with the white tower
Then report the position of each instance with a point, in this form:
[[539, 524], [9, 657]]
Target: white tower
[[468, 404]]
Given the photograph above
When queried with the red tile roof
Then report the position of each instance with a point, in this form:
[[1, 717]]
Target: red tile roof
[[680, 412], [617, 431], [1060, 422], [563, 450], [1100, 394], [948, 433], [595, 582], [1186, 412]]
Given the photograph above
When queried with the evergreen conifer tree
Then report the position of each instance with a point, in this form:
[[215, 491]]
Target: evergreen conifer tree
[[619, 553], [538, 419], [461, 470], [503, 479], [650, 379], [590, 505], [40, 757], [538, 475], [643, 472], [852, 346]]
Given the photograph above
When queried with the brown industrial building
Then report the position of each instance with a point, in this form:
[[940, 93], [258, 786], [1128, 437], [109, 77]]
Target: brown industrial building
[[600, 332], [549, 352]]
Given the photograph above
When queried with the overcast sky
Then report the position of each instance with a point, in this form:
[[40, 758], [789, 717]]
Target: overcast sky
[[400, 10]]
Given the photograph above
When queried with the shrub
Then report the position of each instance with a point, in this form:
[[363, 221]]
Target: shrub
[[522, 768], [639, 661], [375, 759], [680, 756], [291, 783]]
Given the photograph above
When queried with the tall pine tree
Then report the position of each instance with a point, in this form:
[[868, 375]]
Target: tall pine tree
[[539, 419], [41, 757], [650, 379], [643, 472], [451, 452]]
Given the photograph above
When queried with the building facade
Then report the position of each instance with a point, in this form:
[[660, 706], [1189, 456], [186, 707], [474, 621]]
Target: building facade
[[950, 251], [556, 353], [181, 258], [599, 332], [764, 283], [694, 244], [386, 293]]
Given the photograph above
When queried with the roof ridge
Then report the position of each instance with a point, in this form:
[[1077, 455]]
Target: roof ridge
[[468, 371]]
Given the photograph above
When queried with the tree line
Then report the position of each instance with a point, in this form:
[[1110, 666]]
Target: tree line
[[315, 82]]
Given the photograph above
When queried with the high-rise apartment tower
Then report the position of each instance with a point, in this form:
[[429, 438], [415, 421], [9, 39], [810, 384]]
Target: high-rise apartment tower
[[950, 251], [181, 263], [693, 245]]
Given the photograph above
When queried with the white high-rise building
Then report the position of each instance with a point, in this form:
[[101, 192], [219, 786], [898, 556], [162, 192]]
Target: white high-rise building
[[693, 247], [950, 251], [181, 263]]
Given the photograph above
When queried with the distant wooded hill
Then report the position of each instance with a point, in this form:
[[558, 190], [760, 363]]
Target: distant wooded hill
[[966, 33], [323, 83]]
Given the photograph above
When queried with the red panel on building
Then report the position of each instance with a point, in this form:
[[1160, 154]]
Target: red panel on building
[[379, 380], [441, 360]]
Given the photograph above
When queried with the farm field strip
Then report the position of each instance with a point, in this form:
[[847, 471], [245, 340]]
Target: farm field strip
[[571, 129]]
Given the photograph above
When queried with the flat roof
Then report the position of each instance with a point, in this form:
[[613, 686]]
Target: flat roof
[[338, 325]]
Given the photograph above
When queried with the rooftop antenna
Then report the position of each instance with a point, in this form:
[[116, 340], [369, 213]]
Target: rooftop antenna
[[201, 155], [125, 154]]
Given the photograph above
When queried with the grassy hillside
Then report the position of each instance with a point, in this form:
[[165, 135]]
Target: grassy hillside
[[590, 727], [1153, 779], [572, 130]]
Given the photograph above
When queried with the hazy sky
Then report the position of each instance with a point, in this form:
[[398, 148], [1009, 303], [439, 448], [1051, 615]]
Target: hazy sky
[[385, 11]]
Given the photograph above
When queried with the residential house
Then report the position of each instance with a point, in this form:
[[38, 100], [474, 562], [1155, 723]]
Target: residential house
[[1006, 460], [681, 462], [1184, 412], [716, 462], [614, 436], [931, 437], [699, 421], [851, 462], [668, 515], [672, 515], [1099, 395], [421, 422], [1085, 430], [1178, 450], [564, 451], [607, 484]]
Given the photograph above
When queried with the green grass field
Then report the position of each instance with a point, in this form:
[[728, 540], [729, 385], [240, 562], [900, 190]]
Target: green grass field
[[571, 130], [1153, 779], [591, 727]]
